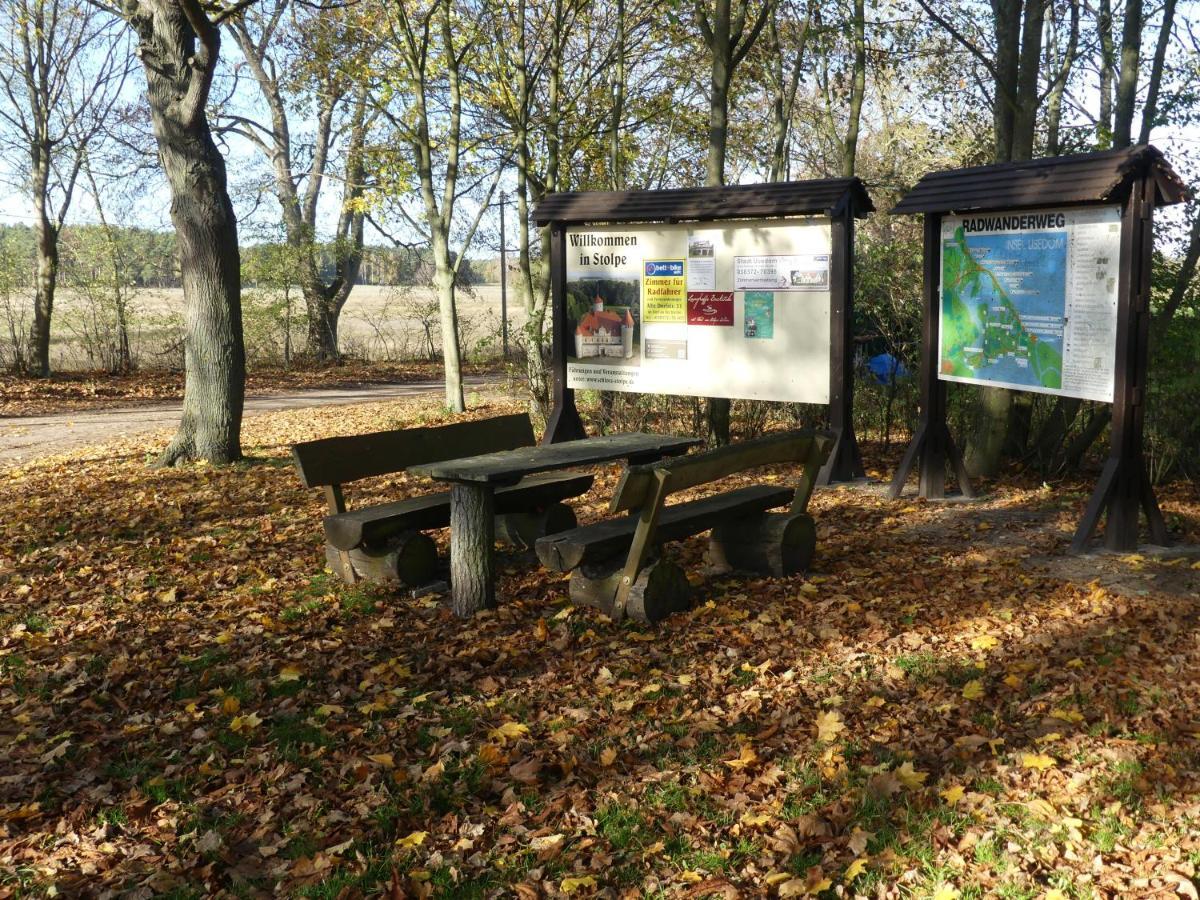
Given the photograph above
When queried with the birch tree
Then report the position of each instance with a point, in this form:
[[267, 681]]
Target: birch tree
[[63, 64], [430, 45]]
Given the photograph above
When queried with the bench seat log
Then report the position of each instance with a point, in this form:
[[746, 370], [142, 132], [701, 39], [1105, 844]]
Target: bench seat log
[[409, 558], [568, 550], [372, 526], [777, 544], [660, 589]]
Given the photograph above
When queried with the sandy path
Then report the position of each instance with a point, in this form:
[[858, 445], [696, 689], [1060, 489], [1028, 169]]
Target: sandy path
[[23, 438]]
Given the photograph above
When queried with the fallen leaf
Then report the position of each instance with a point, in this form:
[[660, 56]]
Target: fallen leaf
[[747, 757], [209, 842], [509, 731], [952, 794], [1039, 761], [245, 723], [573, 884], [910, 777], [855, 869], [526, 771], [829, 726]]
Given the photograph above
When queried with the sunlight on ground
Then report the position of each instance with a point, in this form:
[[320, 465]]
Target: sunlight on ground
[[944, 707]]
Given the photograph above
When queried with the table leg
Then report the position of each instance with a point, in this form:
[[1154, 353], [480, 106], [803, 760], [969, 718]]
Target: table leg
[[472, 548]]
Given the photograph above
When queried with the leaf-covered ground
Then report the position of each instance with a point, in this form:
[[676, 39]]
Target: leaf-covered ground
[[946, 706], [72, 391]]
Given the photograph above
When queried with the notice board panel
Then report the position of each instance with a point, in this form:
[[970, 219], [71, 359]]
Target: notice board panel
[[737, 310], [1029, 300]]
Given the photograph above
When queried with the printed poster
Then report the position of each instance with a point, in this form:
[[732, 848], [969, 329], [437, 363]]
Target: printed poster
[[1029, 300], [809, 272], [710, 308], [702, 263], [759, 320], [664, 308]]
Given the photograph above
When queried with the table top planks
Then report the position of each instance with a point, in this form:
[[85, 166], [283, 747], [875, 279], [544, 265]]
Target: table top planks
[[509, 466]]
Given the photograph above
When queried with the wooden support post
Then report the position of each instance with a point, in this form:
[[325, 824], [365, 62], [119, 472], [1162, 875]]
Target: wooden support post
[[845, 462], [640, 546], [1124, 487], [338, 560], [472, 547], [564, 423], [932, 445]]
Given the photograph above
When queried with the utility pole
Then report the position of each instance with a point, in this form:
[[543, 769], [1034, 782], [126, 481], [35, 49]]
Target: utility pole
[[503, 279]]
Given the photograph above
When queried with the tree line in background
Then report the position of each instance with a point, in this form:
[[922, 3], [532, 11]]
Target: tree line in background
[[404, 119], [149, 259]]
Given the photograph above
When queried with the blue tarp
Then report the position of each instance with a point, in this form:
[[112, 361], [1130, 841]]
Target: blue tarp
[[886, 368]]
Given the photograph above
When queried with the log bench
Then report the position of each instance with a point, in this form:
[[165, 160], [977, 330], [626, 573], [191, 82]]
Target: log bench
[[616, 564], [387, 542]]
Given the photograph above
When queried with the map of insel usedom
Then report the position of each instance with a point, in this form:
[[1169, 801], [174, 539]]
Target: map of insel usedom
[[1029, 301]]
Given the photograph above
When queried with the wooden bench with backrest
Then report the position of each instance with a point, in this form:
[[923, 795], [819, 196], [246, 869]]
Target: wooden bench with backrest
[[385, 542], [616, 564]]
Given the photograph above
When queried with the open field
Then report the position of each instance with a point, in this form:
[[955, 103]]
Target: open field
[[945, 706], [387, 323]]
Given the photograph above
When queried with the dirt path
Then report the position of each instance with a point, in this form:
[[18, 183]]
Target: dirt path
[[26, 437]]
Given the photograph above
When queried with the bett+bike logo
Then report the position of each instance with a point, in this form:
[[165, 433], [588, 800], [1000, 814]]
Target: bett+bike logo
[[665, 268]]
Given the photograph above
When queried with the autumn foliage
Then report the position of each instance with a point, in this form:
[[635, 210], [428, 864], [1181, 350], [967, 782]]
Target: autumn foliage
[[946, 706]]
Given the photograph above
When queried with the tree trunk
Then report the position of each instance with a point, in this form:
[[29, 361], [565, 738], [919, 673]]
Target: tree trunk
[[451, 353], [1006, 20], [210, 266], [720, 76], [1150, 110], [322, 328], [616, 166], [178, 75], [1127, 78], [1049, 446], [717, 408], [985, 450], [43, 303], [1014, 108], [1065, 59], [1028, 84], [1108, 65], [858, 90]]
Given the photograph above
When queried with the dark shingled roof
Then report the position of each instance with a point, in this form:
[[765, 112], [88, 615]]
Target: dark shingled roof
[[736, 201], [1054, 181]]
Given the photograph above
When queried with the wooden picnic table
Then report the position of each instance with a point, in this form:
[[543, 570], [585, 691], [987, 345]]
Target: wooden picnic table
[[474, 479]]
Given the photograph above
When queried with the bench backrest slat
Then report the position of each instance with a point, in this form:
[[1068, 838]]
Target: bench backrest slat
[[637, 484], [338, 460]]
